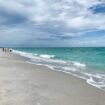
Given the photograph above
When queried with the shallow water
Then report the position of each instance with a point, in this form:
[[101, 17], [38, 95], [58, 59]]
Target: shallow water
[[87, 63]]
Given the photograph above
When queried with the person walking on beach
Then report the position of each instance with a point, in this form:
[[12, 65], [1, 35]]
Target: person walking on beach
[[10, 50], [3, 49], [6, 50]]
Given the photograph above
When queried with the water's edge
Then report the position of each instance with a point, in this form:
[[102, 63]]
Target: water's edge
[[73, 68]]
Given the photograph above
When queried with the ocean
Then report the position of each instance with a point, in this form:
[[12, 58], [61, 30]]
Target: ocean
[[84, 62]]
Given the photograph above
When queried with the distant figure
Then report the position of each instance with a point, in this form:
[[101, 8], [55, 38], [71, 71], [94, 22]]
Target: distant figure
[[6, 50], [3, 49], [10, 50]]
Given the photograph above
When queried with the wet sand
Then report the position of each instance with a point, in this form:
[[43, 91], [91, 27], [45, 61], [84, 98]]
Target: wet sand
[[26, 84]]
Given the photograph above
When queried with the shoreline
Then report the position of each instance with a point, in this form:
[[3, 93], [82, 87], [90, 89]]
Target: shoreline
[[28, 84], [52, 69], [87, 78], [68, 73]]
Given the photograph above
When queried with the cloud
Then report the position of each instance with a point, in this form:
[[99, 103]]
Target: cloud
[[34, 20]]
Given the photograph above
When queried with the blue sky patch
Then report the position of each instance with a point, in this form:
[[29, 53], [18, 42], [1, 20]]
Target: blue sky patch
[[100, 8]]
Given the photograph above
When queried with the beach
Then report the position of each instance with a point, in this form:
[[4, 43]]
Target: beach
[[22, 83]]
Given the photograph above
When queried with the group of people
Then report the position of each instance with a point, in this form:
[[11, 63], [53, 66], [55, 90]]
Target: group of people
[[6, 50]]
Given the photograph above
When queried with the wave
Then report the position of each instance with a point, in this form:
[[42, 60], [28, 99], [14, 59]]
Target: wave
[[47, 56], [24, 54], [33, 55], [97, 80], [71, 67], [78, 64]]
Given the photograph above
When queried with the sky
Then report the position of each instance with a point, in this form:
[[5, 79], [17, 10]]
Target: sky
[[52, 23]]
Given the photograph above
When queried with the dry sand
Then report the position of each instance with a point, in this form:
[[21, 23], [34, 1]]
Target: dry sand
[[26, 84]]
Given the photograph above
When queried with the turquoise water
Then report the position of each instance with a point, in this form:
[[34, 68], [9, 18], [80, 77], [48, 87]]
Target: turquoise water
[[92, 57], [88, 63]]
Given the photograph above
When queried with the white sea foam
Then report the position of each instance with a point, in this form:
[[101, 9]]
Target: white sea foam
[[51, 67], [69, 69], [46, 56], [97, 80], [77, 64], [36, 56], [28, 55], [94, 83]]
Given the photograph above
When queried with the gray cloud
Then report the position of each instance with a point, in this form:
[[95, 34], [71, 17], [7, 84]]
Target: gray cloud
[[38, 22]]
